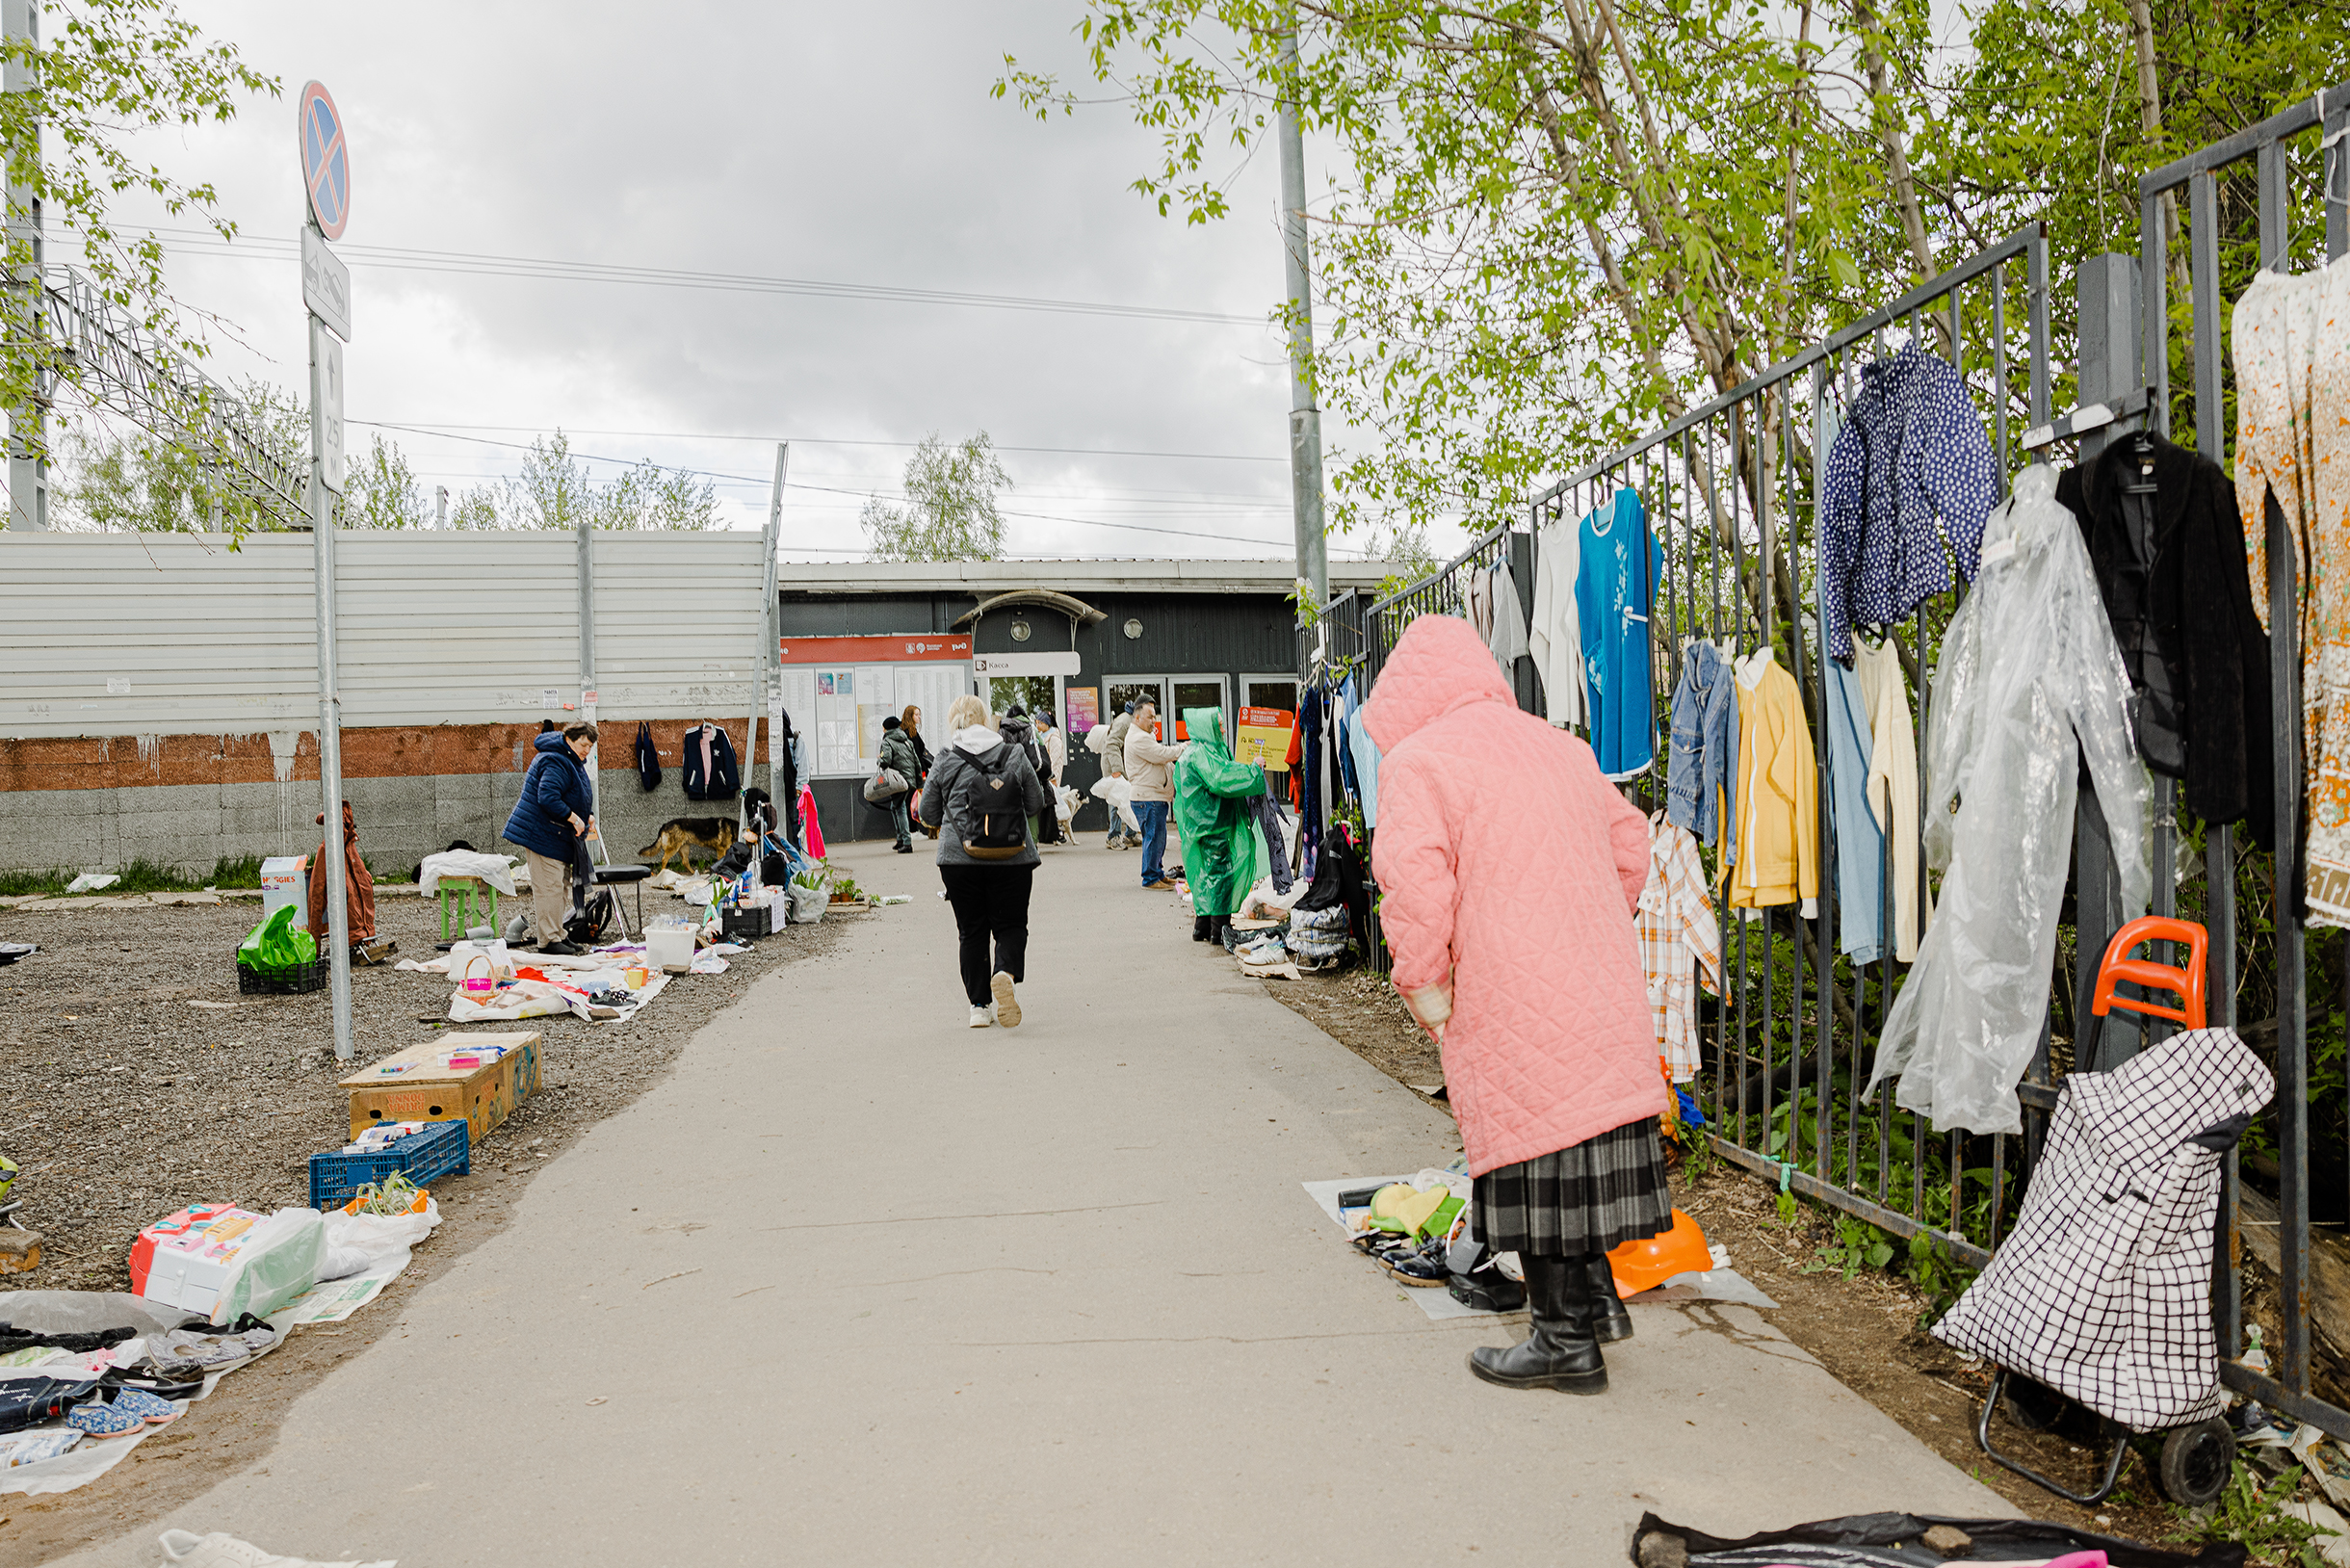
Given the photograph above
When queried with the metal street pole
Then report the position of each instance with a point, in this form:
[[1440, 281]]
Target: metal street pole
[[771, 658], [588, 689], [1305, 418], [326, 400], [28, 447]]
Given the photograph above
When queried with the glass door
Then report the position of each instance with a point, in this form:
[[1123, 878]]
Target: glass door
[[1137, 689], [1197, 692]]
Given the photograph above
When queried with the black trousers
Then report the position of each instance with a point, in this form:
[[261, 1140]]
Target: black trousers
[[989, 901]]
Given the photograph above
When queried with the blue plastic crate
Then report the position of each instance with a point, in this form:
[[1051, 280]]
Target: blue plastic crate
[[444, 1148]]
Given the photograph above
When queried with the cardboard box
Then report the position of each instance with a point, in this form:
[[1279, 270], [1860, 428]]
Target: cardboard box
[[418, 1083], [285, 881]]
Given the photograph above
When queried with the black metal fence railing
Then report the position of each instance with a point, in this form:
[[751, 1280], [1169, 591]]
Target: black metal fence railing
[[2291, 209]]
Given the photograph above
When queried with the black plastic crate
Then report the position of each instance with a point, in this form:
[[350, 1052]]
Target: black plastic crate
[[747, 924], [302, 978]]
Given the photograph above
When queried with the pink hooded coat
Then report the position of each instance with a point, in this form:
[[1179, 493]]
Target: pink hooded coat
[[1507, 864]]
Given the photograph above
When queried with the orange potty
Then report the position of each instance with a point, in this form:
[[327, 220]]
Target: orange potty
[[1644, 1264]]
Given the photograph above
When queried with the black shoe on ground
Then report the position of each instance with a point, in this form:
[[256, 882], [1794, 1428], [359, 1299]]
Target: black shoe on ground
[[1609, 1321], [1558, 1353], [562, 949], [1202, 928]]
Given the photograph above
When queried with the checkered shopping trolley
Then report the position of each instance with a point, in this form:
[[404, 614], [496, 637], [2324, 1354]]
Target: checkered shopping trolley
[[2102, 1295]]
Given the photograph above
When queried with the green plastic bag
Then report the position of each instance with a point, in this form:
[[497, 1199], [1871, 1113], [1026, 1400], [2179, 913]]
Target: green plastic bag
[[276, 944]]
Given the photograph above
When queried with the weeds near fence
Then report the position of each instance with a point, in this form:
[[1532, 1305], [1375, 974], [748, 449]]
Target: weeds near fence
[[2247, 1514], [141, 877]]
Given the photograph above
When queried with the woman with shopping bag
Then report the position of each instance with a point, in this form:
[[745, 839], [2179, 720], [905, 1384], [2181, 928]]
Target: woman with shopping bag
[[1509, 869]]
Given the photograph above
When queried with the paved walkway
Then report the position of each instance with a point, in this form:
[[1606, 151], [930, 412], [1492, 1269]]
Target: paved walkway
[[1051, 1295]]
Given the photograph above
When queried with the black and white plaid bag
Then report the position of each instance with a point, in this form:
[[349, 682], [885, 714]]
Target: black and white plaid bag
[[2104, 1292]]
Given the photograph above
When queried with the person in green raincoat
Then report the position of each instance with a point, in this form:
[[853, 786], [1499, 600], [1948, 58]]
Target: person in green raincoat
[[1219, 832]]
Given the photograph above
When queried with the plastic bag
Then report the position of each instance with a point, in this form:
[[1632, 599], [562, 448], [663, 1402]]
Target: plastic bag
[[277, 943], [809, 904], [358, 1243]]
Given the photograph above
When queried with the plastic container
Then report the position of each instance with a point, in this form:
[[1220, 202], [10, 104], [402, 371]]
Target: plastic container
[[293, 982], [669, 948], [441, 1149], [748, 922]]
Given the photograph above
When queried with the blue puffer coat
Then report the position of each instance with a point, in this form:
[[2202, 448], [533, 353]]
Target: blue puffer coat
[[554, 789]]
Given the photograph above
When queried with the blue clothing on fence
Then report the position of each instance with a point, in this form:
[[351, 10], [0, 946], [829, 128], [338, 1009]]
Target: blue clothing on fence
[[1363, 755], [1615, 587], [553, 791], [1912, 449], [1858, 836], [1702, 761]]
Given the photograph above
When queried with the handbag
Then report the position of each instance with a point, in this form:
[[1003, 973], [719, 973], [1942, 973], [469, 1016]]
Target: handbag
[[886, 785]]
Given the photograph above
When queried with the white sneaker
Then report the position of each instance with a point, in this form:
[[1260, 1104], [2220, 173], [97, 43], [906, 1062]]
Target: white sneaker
[[1007, 1006], [982, 1017]]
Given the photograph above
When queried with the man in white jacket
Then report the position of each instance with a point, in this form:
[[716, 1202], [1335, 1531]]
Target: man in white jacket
[[1147, 769]]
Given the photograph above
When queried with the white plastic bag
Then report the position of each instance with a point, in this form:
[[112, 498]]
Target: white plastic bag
[[358, 1243]]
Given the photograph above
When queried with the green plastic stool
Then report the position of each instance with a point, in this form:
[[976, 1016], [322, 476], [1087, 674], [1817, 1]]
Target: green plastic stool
[[470, 893]]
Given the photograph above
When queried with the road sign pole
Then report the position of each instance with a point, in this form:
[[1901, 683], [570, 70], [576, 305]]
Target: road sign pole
[[330, 694], [326, 172], [28, 436]]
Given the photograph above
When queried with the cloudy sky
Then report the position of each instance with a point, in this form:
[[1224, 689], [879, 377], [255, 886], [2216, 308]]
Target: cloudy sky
[[840, 145]]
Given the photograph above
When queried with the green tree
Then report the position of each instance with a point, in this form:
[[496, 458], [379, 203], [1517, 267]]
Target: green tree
[[111, 479], [950, 511], [556, 490], [383, 491], [106, 69]]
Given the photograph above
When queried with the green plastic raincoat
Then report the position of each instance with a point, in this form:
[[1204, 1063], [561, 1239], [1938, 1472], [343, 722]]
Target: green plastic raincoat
[[1221, 844]]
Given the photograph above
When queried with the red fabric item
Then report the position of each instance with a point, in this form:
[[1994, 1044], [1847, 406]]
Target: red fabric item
[[1509, 866], [809, 828], [359, 882]]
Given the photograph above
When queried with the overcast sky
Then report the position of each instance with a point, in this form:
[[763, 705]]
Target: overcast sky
[[853, 145]]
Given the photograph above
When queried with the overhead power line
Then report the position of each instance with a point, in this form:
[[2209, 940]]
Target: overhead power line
[[427, 425], [476, 264]]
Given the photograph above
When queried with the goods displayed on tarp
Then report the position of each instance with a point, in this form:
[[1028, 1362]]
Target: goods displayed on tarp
[[222, 1262], [494, 985]]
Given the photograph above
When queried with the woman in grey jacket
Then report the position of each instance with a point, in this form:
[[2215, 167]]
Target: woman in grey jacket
[[989, 889]]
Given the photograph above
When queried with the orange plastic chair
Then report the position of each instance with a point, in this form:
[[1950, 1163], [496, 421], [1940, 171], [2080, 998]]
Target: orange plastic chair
[[2187, 982]]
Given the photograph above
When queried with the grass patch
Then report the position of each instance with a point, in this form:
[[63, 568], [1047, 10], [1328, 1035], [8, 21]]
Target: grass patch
[[141, 877]]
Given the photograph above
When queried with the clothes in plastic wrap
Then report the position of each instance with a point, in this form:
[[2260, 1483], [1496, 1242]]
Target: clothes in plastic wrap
[[1221, 848], [2028, 666], [1895, 1540]]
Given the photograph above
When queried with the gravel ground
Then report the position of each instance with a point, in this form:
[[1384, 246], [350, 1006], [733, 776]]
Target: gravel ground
[[126, 1100]]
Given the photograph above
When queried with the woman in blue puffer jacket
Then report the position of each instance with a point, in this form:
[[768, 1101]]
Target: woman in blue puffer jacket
[[556, 812]]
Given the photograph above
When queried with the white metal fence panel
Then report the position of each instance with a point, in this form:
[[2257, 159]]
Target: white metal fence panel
[[171, 634]]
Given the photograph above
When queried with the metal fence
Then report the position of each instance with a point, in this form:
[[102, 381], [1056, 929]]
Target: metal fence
[[1730, 492], [2297, 211], [1728, 489]]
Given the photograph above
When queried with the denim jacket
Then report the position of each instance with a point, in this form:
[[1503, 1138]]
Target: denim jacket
[[1704, 758]]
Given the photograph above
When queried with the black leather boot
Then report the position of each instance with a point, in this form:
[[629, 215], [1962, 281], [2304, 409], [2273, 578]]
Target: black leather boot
[[1202, 928], [1609, 1321], [1560, 1352]]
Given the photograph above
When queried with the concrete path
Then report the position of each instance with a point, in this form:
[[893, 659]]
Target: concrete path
[[1048, 1295]]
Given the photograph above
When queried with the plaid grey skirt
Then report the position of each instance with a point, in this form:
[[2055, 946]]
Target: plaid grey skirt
[[1591, 1197]]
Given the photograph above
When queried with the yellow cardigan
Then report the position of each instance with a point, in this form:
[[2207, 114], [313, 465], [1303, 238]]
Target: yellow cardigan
[[1778, 791]]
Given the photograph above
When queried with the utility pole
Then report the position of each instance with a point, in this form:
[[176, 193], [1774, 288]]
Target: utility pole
[[1305, 418], [588, 689], [440, 506], [27, 445], [771, 658]]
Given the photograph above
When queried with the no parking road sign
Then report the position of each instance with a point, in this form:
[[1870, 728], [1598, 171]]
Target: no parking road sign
[[326, 161]]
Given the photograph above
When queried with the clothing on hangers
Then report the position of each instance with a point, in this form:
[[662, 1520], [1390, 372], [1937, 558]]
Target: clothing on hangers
[[1506, 635], [1701, 759], [1678, 937], [1614, 591], [1554, 636], [710, 771], [1911, 453], [2029, 672], [1776, 817], [1892, 785], [2167, 545], [1859, 835]]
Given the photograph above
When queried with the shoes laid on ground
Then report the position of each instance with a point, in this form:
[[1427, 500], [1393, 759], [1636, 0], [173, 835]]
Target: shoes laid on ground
[[184, 1549], [562, 949], [1007, 1006], [1413, 1263], [95, 1420], [138, 1402], [982, 1017]]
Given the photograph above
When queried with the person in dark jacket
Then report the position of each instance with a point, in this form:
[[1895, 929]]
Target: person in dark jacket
[[911, 719], [898, 752], [990, 895], [2170, 565], [549, 824], [1021, 735]]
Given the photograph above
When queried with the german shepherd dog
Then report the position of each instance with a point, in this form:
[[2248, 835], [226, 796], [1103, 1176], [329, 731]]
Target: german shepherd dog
[[680, 836]]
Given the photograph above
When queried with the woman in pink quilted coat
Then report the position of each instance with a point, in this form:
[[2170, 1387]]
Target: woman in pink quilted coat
[[1508, 871]]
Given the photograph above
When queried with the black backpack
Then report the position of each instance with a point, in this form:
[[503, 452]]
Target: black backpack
[[648, 759], [992, 804], [587, 927]]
